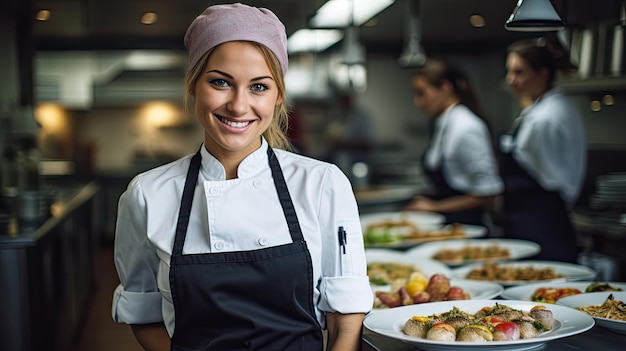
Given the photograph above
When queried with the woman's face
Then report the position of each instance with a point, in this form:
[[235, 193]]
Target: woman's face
[[235, 98], [429, 98], [523, 79]]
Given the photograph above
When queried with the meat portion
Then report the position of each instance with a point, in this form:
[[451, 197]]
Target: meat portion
[[475, 333], [526, 329], [543, 316], [438, 287], [417, 327], [442, 332]]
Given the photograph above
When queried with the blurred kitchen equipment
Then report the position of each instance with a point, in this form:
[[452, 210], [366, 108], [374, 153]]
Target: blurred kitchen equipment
[[534, 16]]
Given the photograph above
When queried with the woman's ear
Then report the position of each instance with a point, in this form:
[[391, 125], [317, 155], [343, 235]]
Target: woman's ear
[[447, 87]]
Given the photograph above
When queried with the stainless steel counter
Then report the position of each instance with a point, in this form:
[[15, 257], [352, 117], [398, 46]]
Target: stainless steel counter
[[596, 338], [46, 272], [605, 234]]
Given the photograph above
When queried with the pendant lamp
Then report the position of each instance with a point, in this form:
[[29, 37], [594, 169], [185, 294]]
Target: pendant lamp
[[351, 72], [413, 55], [534, 16]]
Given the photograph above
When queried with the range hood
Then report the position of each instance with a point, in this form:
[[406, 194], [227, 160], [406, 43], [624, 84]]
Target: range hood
[[598, 51]]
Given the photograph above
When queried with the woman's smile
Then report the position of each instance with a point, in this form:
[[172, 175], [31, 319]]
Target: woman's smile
[[237, 126]]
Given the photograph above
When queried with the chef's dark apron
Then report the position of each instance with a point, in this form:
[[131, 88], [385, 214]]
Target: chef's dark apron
[[443, 190], [534, 213], [246, 300]]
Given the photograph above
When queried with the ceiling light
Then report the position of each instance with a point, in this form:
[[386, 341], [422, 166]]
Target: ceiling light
[[477, 21], [149, 18], [352, 50], [43, 15], [338, 13], [534, 16], [413, 54], [313, 40]]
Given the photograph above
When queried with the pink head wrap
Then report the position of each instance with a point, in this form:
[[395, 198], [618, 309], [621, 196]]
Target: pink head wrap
[[219, 24]]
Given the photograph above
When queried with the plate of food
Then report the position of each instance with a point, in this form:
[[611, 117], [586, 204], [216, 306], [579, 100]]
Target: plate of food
[[398, 279], [377, 195], [553, 291], [495, 325], [467, 251], [524, 272], [608, 308], [407, 229], [386, 265]]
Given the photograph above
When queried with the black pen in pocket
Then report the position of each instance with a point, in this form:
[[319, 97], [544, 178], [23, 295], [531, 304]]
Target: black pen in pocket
[[343, 239]]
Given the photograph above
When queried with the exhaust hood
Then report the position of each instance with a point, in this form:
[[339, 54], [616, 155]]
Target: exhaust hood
[[598, 51]]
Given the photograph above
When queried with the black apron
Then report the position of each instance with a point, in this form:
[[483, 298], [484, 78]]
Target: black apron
[[534, 213], [247, 300], [443, 190]]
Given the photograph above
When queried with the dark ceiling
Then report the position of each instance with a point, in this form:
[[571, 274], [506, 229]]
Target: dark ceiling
[[114, 24]]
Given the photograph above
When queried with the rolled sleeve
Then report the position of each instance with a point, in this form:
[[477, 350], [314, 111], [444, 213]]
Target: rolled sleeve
[[136, 307], [338, 294]]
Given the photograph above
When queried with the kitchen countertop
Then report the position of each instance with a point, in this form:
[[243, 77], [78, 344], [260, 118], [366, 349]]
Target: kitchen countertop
[[603, 233], [597, 338], [25, 234]]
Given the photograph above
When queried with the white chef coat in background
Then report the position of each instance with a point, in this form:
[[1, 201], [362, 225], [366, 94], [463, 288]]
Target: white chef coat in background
[[237, 215], [462, 146], [551, 144]]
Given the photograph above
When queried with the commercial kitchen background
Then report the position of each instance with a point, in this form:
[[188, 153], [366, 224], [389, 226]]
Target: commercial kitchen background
[[87, 82]]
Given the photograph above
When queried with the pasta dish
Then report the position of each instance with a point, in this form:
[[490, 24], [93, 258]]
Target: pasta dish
[[610, 309]]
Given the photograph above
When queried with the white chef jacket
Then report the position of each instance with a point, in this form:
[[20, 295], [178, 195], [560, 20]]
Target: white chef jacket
[[551, 144], [237, 215], [462, 146]]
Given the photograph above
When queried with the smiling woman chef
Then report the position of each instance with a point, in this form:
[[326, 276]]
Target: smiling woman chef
[[214, 251]]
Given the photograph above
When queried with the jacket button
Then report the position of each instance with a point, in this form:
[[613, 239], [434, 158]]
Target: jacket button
[[218, 245], [263, 241], [257, 183]]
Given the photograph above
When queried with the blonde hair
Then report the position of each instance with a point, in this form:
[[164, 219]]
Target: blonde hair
[[276, 133]]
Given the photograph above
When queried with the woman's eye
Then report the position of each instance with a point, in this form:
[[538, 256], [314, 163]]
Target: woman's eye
[[259, 87], [219, 82]]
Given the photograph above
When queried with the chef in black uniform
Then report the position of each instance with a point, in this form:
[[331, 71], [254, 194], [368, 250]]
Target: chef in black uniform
[[459, 161], [242, 245], [543, 160]]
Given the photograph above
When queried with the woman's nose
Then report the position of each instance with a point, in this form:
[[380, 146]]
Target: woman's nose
[[238, 103], [510, 79]]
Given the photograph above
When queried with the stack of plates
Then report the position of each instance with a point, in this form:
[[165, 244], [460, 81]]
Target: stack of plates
[[610, 192]]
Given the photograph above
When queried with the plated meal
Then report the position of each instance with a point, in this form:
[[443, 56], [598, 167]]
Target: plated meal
[[399, 280], [405, 229], [377, 195], [524, 272], [468, 251], [607, 308], [553, 291], [491, 323], [478, 324]]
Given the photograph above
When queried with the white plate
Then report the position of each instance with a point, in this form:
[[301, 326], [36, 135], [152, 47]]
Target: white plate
[[525, 292], [517, 249], [389, 322], [570, 271], [384, 194], [597, 298], [427, 266], [426, 221], [476, 289]]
